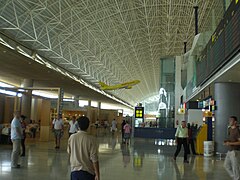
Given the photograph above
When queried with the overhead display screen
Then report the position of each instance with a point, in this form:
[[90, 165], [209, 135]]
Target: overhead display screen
[[232, 29], [224, 44], [139, 112]]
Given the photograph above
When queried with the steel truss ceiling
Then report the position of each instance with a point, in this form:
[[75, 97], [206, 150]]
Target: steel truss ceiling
[[108, 40]]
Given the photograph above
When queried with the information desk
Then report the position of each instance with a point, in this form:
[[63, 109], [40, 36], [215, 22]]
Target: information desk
[[155, 133]]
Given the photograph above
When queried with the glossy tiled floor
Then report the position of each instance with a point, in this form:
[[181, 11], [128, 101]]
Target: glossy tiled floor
[[142, 160]]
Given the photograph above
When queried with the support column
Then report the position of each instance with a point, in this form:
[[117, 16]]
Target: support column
[[2, 103], [45, 120], [60, 101], [26, 98], [17, 104], [190, 68], [196, 19], [226, 4], [34, 109], [214, 24], [98, 110], [76, 102], [185, 47], [89, 110], [227, 98], [8, 109], [178, 89]]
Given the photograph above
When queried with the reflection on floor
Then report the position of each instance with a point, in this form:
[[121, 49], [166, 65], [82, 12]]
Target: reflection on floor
[[142, 160]]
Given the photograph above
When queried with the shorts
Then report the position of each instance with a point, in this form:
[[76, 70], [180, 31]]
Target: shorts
[[126, 135], [58, 133]]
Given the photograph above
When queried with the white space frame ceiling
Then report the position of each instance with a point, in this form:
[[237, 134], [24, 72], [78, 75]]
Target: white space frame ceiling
[[113, 41]]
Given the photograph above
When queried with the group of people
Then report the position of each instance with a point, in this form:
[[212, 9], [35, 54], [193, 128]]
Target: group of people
[[125, 128], [58, 128], [232, 160], [83, 149], [102, 123]]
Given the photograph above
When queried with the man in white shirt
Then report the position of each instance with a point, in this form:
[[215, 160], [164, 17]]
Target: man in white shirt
[[114, 126], [73, 126], [58, 130], [182, 139], [16, 136], [83, 151]]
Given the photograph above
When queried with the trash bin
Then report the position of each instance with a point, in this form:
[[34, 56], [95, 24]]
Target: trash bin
[[208, 148]]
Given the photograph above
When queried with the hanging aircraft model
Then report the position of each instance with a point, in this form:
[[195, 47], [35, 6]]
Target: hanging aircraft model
[[127, 85]]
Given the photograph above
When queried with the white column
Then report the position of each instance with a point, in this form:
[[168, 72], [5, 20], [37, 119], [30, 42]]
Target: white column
[[227, 3], [89, 110], [189, 68], [76, 102], [60, 101], [178, 88], [98, 110], [26, 98], [214, 24], [34, 109]]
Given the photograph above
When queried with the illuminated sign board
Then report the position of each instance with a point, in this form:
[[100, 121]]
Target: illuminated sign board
[[181, 111], [139, 112]]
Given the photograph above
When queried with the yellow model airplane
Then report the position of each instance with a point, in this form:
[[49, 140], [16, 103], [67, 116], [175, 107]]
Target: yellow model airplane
[[127, 85]]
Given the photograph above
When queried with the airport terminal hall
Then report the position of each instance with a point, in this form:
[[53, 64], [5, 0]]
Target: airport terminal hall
[[119, 89]]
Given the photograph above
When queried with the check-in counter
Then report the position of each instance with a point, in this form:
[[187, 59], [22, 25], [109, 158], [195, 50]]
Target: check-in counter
[[155, 133]]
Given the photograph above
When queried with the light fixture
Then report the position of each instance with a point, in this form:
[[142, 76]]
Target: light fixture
[[11, 93], [2, 84], [44, 94], [21, 90], [68, 100]]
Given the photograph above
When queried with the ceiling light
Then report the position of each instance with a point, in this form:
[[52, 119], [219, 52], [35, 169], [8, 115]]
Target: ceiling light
[[2, 84], [68, 100], [44, 94], [21, 90], [11, 93]]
